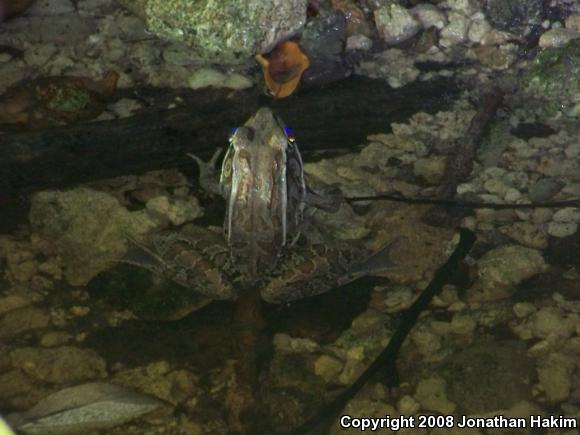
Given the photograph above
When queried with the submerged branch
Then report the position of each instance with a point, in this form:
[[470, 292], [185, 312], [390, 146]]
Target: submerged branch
[[386, 361]]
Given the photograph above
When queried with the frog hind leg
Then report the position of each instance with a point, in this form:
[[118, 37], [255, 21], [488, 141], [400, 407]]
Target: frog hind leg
[[140, 255], [380, 261]]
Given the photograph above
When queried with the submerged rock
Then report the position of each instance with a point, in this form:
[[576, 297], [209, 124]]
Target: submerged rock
[[82, 409], [86, 228], [503, 268], [555, 76], [396, 24], [59, 365], [513, 15]]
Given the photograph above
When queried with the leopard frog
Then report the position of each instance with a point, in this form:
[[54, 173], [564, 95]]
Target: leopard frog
[[262, 181]]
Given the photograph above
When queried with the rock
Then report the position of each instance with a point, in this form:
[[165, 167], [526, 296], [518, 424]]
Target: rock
[[463, 324], [393, 300], [205, 77], [456, 31], [323, 41], [558, 37], [226, 31], [126, 107], [51, 7], [513, 15], [431, 395], [86, 228], [555, 374], [287, 344], [356, 22], [488, 376], [494, 57], [549, 322], [545, 189], [478, 29], [59, 365], [407, 405], [159, 380], [568, 214], [555, 76], [527, 234], [328, 367], [13, 302], [431, 169], [429, 16], [573, 22], [359, 42], [427, 342], [83, 409], [17, 390], [22, 320], [466, 7], [393, 65], [505, 267], [55, 338], [395, 23], [562, 229], [524, 309], [177, 210]]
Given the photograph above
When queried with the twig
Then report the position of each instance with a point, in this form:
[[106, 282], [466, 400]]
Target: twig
[[465, 204]]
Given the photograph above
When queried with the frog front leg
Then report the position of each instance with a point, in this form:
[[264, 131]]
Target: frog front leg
[[209, 173]]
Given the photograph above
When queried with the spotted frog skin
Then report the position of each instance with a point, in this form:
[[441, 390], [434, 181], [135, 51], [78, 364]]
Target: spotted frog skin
[[265, 242]]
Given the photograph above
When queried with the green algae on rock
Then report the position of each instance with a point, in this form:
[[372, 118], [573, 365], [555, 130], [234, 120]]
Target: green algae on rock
[[226, 31], [555, 76]]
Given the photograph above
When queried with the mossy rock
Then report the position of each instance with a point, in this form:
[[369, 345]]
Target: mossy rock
[[555, 76]]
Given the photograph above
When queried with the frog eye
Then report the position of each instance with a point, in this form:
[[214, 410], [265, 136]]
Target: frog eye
[[232, 133], [289, 134]]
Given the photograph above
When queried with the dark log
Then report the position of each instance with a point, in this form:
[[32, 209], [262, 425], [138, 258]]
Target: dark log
[[335, 117]]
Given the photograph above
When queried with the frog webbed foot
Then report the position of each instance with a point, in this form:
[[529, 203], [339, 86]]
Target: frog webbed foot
[[208, 172], [324, 197], [140, 255]]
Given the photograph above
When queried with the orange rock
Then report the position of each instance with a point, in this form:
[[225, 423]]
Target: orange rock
[[283, 68]]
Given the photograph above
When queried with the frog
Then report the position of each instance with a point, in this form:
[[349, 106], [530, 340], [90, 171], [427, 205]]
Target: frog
[[266, 242]]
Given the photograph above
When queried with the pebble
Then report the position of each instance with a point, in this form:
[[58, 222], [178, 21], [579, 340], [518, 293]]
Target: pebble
[[466, 7], [431, 395], [550, 322], [456, 31], [524, 309], [359, 42], [478, 29], [568, 214], [573, 22], [395, 23], [554, 38], [555, 375], [545, 189], [527, 234], [328, 367], [562, 229], [429, 16]]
